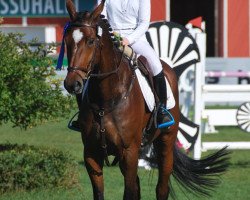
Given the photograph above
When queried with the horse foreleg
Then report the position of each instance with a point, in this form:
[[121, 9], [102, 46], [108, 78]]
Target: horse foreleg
[[94, 166], [128, 166], [164, 149]]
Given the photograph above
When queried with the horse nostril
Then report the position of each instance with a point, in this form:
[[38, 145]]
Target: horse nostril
[[77, 86], [69, 88]]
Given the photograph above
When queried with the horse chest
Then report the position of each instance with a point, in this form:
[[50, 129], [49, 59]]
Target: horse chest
[[110, 126]]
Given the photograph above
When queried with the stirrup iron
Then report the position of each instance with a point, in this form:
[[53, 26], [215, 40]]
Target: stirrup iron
[[70, 124], [168, 123]]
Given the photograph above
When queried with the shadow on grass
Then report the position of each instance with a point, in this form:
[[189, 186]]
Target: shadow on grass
[[241, 164], [7, 147], [114, 162]]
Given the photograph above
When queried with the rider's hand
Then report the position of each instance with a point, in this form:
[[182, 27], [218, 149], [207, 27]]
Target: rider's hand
[[125, 41]]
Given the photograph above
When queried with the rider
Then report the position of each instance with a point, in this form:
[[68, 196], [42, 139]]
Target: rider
[[131, 19]]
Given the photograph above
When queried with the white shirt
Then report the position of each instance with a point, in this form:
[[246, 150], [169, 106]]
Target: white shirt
[[128, 14]]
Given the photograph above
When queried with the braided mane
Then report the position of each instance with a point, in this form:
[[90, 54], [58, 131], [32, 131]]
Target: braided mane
[[107, 30], [84, 17]]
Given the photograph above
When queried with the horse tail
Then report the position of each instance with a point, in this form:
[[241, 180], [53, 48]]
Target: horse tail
[[200, 176]]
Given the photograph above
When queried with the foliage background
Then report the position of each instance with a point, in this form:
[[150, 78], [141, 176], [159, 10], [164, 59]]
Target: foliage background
[[29, 95], [25, 167]]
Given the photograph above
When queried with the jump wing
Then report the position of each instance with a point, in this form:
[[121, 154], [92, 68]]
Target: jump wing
[[175, 45]]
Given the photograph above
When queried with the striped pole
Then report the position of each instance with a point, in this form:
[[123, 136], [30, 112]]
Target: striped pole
[[227, 74]]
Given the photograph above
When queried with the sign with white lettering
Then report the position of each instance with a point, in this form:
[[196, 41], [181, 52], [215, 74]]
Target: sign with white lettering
[[14, 8]]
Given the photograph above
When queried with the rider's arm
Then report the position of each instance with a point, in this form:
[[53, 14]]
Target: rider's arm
[[143, 21]]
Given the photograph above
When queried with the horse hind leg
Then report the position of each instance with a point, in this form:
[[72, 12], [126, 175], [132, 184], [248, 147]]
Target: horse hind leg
[[164, 150]]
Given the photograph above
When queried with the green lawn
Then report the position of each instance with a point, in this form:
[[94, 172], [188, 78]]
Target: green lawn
[[235, 183]]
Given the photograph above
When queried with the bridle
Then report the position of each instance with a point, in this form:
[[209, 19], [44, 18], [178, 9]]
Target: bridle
[[79, 70], [90, 65]]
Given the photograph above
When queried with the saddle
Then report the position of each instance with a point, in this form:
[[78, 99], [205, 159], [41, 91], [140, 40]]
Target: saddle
[[142, 64]]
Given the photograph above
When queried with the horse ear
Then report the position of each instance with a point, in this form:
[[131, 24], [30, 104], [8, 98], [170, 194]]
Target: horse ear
[[71, 9], [97, 11]]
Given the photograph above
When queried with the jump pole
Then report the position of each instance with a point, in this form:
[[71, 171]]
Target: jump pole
[[227, 74]]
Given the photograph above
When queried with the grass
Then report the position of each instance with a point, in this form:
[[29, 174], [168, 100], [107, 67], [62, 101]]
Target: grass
[[227, 134], [235, 183]]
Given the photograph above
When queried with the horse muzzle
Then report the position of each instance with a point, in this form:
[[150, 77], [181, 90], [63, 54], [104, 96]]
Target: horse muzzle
[[75, 88]]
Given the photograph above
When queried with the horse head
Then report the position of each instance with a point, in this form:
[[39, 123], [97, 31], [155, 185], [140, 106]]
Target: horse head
[[81, 41]]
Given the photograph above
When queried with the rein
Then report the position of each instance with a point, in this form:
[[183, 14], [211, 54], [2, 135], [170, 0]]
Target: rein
[[105, 74], [90, 74], [100, 111]]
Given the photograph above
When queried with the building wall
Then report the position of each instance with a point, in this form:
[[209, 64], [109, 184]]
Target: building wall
[[57, 22], [158, 10], [158, 14], [233, 24], [220, 27], [238, 28]]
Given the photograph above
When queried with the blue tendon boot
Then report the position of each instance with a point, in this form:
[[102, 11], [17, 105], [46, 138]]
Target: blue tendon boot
[[164, 117]]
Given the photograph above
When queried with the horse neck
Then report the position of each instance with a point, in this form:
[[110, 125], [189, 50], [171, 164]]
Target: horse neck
[[108, 53], [109, 57], [112, 86]]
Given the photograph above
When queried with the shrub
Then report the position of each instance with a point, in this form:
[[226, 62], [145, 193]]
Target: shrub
[[29, 95], [24, 167]]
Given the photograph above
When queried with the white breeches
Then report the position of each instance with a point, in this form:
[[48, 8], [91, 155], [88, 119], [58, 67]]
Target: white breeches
[[143, 48]]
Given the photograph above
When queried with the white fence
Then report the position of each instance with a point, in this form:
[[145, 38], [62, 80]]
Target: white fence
[[205, 93]]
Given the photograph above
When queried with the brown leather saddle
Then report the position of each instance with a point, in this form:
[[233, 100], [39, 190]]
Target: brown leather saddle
[[141, 63]]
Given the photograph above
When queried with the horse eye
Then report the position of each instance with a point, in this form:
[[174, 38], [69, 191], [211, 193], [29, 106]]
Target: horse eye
[[90, 42]]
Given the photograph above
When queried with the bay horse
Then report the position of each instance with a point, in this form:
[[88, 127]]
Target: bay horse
[[113, 113]]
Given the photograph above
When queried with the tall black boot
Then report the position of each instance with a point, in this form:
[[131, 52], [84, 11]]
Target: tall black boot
[[164, 118]]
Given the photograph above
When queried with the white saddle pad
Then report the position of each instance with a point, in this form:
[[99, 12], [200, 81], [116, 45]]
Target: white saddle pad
[[148, 94]]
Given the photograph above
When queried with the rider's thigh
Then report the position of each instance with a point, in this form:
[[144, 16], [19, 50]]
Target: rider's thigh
[[143, 48]]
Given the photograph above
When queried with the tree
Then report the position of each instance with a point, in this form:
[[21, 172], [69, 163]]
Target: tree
[[29, 92]]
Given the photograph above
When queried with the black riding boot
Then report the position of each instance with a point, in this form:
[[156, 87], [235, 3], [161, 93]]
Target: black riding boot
[[164, 118]]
